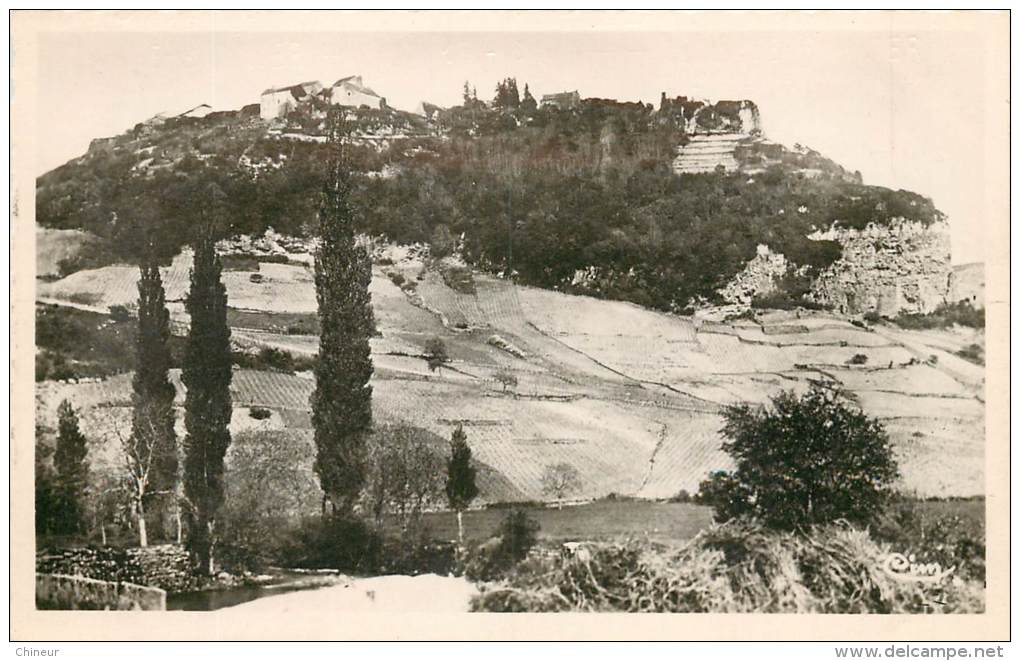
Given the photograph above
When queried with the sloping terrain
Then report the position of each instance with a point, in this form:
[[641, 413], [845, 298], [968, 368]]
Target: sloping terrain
[[628, 396]]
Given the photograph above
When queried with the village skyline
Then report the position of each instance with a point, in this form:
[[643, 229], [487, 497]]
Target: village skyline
[[218, 69]]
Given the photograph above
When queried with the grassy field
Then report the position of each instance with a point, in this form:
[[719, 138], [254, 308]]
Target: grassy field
[[604, 519]]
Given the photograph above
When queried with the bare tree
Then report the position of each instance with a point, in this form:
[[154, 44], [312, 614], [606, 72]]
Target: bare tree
[[560, 480], [138, 460]]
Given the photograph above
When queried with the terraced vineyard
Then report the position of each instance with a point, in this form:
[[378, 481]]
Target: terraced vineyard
[[630, 397]]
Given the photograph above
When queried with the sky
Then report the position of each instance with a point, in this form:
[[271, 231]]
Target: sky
[[905, 109]]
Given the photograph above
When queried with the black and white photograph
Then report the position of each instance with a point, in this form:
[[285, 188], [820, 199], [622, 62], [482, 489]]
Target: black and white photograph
[[406, 314]]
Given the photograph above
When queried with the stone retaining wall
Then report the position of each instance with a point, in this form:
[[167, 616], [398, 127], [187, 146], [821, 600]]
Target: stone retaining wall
[[60, 592], [166, 566]]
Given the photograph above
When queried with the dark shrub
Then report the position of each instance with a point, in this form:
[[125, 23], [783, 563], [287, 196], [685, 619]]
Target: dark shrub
[[396, 278], [872, 317], [239, 262], [120, 313], [515, 537], [340, 541], [418, 553], [458, 278], [268, 358], [260, 413], [858, 359], [945, 315], [975, 353], [681, 496]]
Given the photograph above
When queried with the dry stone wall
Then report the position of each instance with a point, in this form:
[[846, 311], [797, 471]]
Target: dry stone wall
[[165, 566], [902, 267]]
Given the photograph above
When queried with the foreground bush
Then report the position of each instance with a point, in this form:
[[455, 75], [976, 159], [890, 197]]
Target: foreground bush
[[733, 568], [801, 461]]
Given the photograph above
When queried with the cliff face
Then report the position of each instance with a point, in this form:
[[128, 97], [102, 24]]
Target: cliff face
[[903, 267]]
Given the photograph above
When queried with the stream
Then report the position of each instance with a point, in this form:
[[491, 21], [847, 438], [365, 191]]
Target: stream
[[216, 598]]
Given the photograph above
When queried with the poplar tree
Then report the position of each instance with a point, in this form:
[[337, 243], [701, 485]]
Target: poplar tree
[[460, 478], [206, 374], [342, 399], [152, 422]]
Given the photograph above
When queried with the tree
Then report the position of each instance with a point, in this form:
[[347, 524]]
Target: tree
[[206, 374], [506, 378], [69, 461], [460, 478], [342, 400], [269, 489], [560, 480], [507, 96], [138, 465], [435, 353], [404, 473], [804, 461], [442, 243], [153, 393], [528, 103]]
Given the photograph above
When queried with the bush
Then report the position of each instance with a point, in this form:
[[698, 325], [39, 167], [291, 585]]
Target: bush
[[339, 541], [858, 359], [417, 553], [396, 278], [945, 315], [268, 358], [514, 538], [260, 413], [682, 496], [458, 278], [120, 313], [352, 544], [738, 567], [806, 460], [975, 353], [872, 317]]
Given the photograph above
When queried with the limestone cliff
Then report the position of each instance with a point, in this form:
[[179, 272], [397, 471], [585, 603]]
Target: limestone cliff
[[902, 267]]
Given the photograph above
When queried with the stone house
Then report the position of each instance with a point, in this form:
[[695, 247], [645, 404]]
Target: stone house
[[351, 91], [278, 101], [561, 100]]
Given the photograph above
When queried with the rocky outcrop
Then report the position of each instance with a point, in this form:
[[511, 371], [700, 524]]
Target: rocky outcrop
[[902, 267], [757, 279]]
